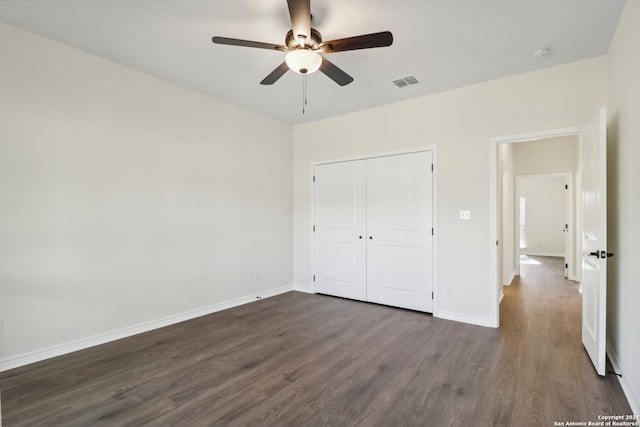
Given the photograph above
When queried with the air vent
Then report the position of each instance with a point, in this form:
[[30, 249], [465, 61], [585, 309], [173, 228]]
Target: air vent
[[406, 81]]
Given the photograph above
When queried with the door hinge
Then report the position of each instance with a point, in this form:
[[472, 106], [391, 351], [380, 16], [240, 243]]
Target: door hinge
[[433, 233], [431, 294], [431, 167], [566, 266], [314, 228], [496, 242], [601, 254], [566, 186], [314, 277], [314, 178]]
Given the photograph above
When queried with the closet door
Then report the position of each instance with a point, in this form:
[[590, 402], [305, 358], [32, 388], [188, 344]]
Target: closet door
[[339, 237], [399, 236]]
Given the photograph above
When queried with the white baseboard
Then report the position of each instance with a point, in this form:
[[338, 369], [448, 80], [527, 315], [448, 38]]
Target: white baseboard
[[542, 253], [302, 288], [81, 344], [465, 318], [512, 276], [632, 395], [458, 317]]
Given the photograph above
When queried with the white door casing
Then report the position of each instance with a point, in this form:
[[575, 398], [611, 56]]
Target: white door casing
[[339, 221], [594, 241], [399, 231]]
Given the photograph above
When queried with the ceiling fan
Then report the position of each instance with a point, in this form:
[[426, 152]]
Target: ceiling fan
[[304, 46]]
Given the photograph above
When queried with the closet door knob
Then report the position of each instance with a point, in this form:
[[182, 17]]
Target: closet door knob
[[370, 237], [359, 237]]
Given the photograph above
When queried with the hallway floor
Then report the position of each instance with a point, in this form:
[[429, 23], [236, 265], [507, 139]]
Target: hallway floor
[[540, 324]]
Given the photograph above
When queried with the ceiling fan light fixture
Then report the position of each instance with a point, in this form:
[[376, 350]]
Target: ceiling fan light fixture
[[303, 61]]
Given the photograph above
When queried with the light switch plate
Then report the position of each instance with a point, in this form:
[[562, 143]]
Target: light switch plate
[[465, 215]]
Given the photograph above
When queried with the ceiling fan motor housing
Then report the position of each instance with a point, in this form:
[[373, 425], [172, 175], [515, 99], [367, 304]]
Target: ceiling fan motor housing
[[292, 42]]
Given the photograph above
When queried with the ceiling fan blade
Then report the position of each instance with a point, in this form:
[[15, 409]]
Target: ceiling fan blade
[[275, 74], [334, 73], [300, 13], [366, 41], [248, 43]]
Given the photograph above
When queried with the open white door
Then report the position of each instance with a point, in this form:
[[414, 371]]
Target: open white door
[[594, 240]]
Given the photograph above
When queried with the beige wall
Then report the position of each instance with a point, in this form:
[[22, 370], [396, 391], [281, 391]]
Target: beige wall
[[461, 123], [126, 199], [550, 155], [623, 317]]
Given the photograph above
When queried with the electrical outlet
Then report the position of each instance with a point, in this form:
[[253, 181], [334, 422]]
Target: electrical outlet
[[465, 215]]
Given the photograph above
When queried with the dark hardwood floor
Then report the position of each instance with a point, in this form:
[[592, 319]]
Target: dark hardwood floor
[[313, 360]]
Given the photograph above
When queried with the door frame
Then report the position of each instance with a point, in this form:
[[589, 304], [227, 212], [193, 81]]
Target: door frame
[[494, 210], [434, 206]]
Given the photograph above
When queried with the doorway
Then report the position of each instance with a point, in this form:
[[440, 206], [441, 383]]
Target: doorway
[[591, 187], [537, 153], [536, 195], [545, 219]]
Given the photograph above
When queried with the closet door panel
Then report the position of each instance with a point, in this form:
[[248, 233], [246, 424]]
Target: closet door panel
[[399, 224], [339, 220]]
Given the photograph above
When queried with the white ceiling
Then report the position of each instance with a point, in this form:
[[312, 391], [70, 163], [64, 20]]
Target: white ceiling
[[445, 43]]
